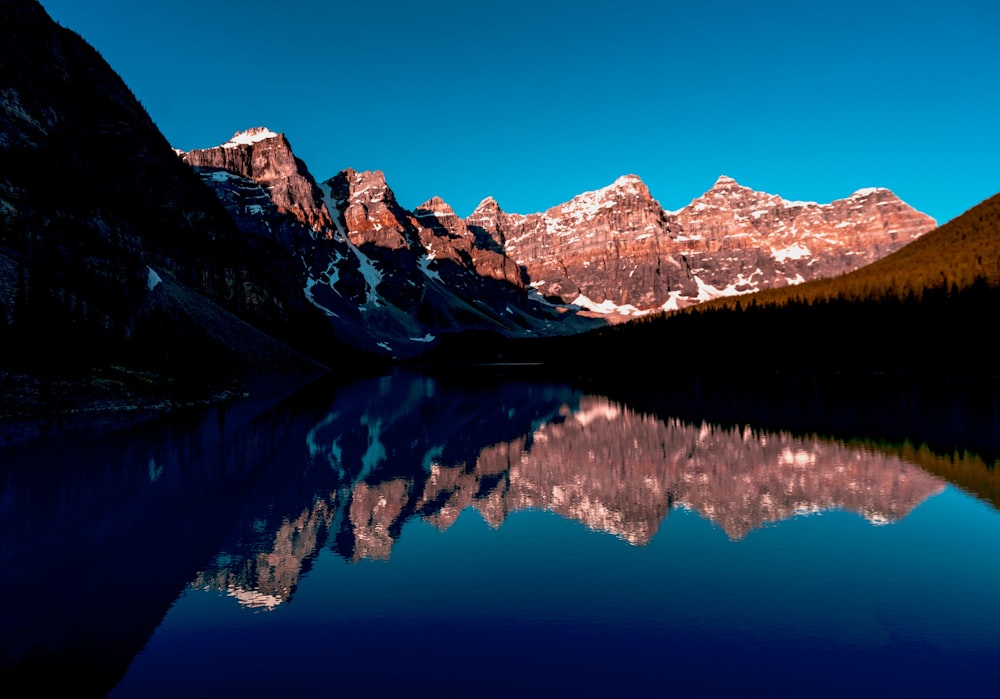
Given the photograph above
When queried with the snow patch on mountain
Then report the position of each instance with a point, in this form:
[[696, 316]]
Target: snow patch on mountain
[[249, 137], [224, 175], [792, 252], [797, 204], [607, 306], [152, 279], [586, 206], [425, 265], [327, 278], [868, 191]]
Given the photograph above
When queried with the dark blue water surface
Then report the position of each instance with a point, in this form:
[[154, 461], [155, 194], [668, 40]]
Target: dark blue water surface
[[407, 536]]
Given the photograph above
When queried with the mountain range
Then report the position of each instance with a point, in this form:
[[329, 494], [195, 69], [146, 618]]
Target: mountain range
[[392, 280]]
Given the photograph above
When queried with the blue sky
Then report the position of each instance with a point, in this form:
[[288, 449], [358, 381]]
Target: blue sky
[[535, 102]]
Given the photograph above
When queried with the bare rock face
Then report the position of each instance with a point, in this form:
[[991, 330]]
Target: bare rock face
[[615, 250], [370, 212], [476, 243], [266, 157], [601, 246], [389, 280], [773, 242]]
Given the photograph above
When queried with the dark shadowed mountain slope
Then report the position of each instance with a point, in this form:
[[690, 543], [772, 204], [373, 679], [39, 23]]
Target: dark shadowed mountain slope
[[96, 210]]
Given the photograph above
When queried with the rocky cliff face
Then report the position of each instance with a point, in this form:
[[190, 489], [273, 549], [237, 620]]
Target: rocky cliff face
[[265, 157], [617, 251], [389, 280], [609, 254]]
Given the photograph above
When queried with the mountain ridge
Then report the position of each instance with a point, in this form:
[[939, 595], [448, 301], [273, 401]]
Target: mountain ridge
[[612, 253]]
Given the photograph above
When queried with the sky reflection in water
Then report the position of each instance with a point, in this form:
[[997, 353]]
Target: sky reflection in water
[[413, 537]]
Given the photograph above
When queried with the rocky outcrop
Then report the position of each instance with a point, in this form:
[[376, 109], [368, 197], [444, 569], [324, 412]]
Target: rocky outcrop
[[266, 157], [476, 244], [369, 211], [602, 246]]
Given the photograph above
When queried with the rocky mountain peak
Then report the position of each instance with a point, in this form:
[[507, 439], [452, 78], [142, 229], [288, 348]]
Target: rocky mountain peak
[[733, 199], [435, 206], [728, 189], [487, 213], [616, 252], [627, 192], [876, 193], [250, 136], [266, 157], [488, 204], [365, 186], [370, 211], [631, 184]]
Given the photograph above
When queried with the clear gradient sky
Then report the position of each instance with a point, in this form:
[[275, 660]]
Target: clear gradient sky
[[533, 102]]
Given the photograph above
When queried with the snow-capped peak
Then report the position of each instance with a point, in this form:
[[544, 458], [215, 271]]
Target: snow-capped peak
[[627, 181], [585, 206], [250, 136], [866, 191]]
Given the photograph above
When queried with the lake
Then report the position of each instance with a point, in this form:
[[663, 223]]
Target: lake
[[414, 535]]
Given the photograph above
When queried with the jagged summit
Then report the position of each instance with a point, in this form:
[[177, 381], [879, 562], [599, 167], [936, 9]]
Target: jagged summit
[[628, 181], [613, 251], [361, 187], [630, 184], [249, 137], [266, 157], [489, 203], [435, 206], [588, 205], [361, 180], [868, 191]]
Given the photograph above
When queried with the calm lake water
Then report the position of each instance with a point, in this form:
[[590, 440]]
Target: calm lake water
[[407, 536]]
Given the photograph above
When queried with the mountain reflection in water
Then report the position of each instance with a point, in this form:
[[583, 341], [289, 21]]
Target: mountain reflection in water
[[250, 503], [401, 448]]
